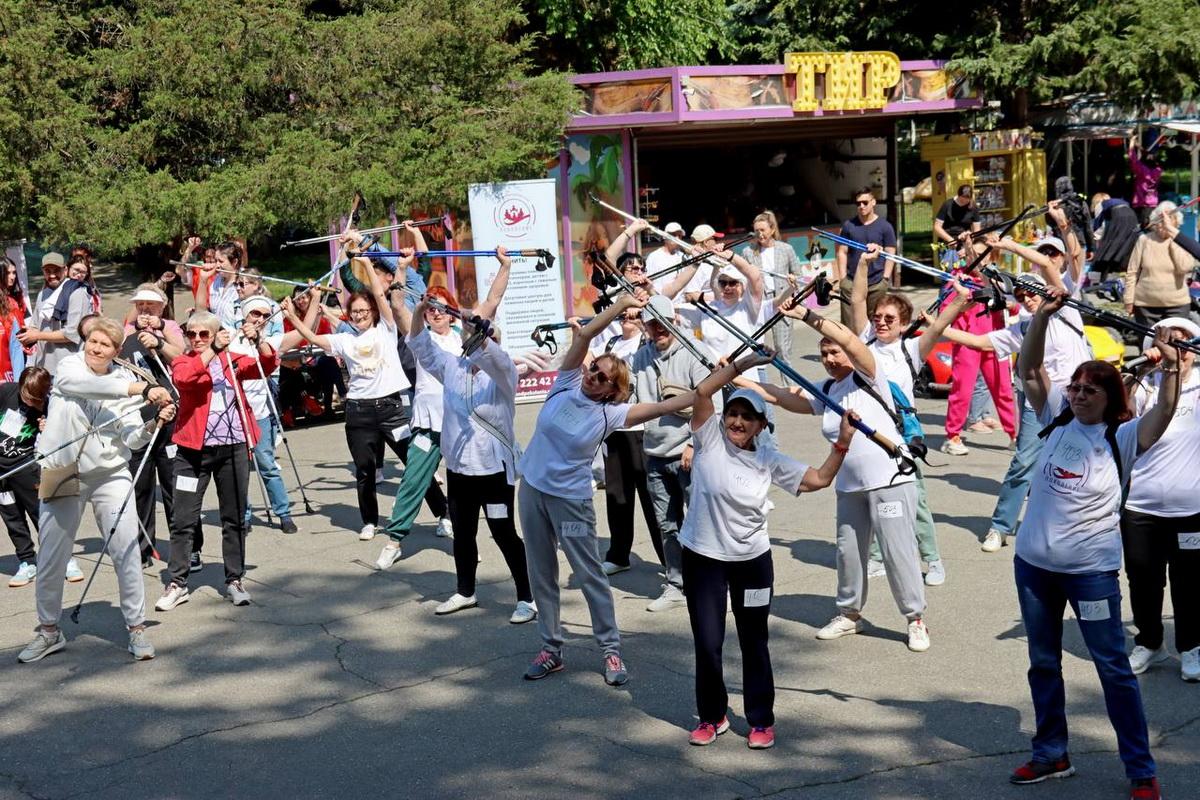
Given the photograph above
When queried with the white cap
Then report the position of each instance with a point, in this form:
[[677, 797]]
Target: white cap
[[662, 305], [732, 274], [673, 227], [1183, 323], [148, 295], [1051, 241], [258, 301], [704, 232]]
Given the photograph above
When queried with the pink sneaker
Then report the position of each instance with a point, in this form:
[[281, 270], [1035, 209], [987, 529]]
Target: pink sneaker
[[706, 733], [761, 738]]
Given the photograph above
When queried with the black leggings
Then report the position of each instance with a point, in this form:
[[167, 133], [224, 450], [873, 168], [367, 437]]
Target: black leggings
[[707, 582], [23, 487], [493, 494], [1151, 546], [370, 423], [625, 475]]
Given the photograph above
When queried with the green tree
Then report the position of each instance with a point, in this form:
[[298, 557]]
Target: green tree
[[135, 121]]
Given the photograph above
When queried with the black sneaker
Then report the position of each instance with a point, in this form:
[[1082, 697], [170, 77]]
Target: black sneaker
[[194, 563], [287, 526], [1038, 771]]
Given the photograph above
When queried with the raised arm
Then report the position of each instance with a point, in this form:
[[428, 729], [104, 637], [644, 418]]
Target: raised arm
[[381, 300], [620, 242], [702, 407], [487, 309], [789, 399], [816, 478], [859, 318], [1066, 232], [1153, 424], [962, 298], [756, 286], [579, 343], [301, 326], [859, 354], [1033, 352]]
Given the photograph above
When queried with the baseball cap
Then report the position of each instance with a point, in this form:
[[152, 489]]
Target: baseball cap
[[148, 295], [673, 227], [1183, 323], [257, 302], [660, 304], [730, 273], [1052, 242], [702, 233], [1029, 277], [753, 398], [53, 260]]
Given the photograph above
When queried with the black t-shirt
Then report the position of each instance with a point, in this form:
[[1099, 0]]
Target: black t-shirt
[[135, 353], [16, 443], [956, 219]]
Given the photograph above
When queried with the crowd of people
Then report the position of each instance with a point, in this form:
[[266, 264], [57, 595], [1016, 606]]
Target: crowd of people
[[664, 389]]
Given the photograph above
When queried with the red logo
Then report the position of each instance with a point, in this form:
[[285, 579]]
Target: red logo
[[1065, 475], [515, 215]]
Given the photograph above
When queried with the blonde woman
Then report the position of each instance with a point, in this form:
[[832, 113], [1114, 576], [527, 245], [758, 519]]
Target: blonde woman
[[774, 258]]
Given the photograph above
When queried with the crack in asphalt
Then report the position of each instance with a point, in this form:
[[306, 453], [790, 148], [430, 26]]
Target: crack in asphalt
[[337, 653], [19, 783]]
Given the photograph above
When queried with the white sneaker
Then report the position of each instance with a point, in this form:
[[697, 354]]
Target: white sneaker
[[840, 626], [139, 645], [43, 644], [456, 603], [936, 575], [612, 569], [918, 636], [1142, 658], [1189, 665], [524, 612], [389, 555], [367, 533], [74, 573], [25, 574], [379, 476], [671, 597], [173, 595], [876, 569], [993, 541], [237, 593], [954, 447], [444, 529]]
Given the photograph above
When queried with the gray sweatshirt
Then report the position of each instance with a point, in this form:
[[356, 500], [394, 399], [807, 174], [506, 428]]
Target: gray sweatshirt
[[666, 436]]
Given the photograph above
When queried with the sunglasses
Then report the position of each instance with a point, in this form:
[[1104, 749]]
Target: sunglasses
[[863, 202], [635, 268], [727, 284], [598, 375], [203, 336], [886, 318], [747, 415], [1085, 388]]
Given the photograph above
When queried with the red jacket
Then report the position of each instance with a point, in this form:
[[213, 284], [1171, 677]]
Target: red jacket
[[194, 383]]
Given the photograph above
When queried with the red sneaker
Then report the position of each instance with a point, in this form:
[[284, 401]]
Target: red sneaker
[[1145, 789], [706, 733], [312, 406], [1038, 771], [761, 738]]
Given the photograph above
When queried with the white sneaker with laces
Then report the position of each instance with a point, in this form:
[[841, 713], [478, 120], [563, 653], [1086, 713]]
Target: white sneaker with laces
[[671, 597], [993, 541], [840, 626], [524, 612], [456, 603], [237, 593], [173, 595], [24, 575], [1189, 665], [1142, 658], [389, 555], [379, 476], [918, 636], [444, 529], [44, 643], [612, 569], [74, 573], [367, 533], [139, 645], [936, 575], [954, 447], [876, 569]]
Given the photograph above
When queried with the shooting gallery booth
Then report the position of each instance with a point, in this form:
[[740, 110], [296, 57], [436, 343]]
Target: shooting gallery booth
[[718, 145]]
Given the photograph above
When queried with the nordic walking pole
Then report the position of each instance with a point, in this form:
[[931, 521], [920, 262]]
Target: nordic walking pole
[[239, 397], [282, 434], [117, 521], [39, 456]]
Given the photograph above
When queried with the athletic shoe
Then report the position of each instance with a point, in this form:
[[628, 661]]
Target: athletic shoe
[[389, 555], [312, 406], [1038, 771], [195, 563], [1189, 665], [237, 593], [615, 673], [1145, 789], [379, 475], [993, 423], [524, 612], [1142, 658], [918, 636], [954, 446], [139, 645], [444, 529], [174, 595], [980, 427], [761, 738], [456, 603], [287, 525], [936, 575], [671, 597], [706, 733], [993, 541], [74, 573], [544, 664], [44, 643], [367, 533], [876, 569], [840, 626], [612, 569], [24, 575], [289, 419]]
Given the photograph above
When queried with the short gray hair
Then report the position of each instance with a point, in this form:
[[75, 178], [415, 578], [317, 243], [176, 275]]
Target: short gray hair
[[1162, 210], [203, 319]]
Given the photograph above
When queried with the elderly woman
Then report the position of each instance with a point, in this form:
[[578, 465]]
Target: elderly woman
[[89, 390], [1156, 278], [215, 434]]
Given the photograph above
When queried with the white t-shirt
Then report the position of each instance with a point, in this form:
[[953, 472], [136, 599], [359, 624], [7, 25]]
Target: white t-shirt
[[659, 260], [767, 256], [727, 510], [570, 428], [744, 314], [1073, 520], [372, 360], [623, 349], [866, 466], [1066, 346], [889, 359], [1166, 480], [427, 400]]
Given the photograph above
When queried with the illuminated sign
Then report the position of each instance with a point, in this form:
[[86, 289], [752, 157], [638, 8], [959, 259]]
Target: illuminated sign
[[853, 81]]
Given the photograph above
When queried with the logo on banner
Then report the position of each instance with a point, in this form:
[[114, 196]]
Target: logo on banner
[[515, 216]]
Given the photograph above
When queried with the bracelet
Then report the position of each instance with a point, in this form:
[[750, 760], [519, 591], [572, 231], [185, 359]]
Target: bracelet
[[146, 391], [839, 448], [1174, 371]]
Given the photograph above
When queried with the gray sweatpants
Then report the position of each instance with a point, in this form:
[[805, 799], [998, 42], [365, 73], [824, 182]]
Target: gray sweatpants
[[549, 522], [889, 513]]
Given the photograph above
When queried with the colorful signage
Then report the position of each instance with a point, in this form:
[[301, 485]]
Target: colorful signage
[[852, 81]]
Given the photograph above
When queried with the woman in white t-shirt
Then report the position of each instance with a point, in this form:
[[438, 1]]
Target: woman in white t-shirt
[[726, 549], [556, 510], [1160, 523], [1069, 545], [376, 405]]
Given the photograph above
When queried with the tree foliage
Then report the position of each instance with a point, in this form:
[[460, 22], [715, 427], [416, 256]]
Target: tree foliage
[[128, 122]]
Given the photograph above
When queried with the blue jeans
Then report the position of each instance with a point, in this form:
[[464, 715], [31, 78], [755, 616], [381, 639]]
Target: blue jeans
[[1043, 596], [669, 486], [981, 402], [1016, 480], [268, 467]]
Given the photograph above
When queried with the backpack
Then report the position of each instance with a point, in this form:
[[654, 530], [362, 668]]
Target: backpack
[[903, 415], [1110, 435]]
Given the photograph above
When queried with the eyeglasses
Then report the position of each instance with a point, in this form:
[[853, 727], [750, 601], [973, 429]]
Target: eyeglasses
[[255, 314], [886, 318], [598, 375], [635, 268], [360, 312], [203, 336], [1085, 388], [437, 310]]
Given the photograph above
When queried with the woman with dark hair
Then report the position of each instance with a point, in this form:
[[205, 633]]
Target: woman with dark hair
[[24, 407], [12, 320], [1069, 545], [79, 269], [212, 289]]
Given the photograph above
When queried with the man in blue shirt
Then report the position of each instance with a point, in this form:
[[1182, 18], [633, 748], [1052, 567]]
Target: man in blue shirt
[[868, 228]]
